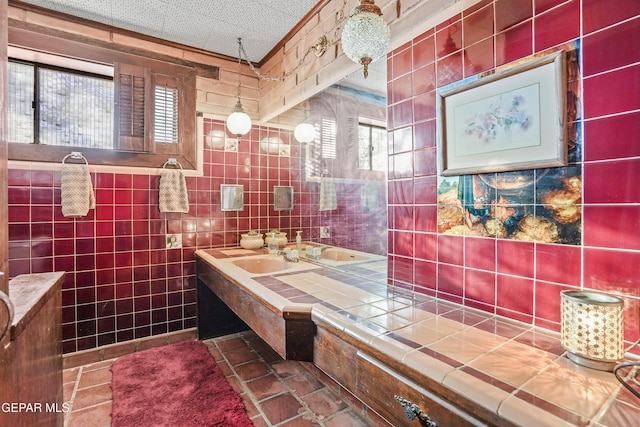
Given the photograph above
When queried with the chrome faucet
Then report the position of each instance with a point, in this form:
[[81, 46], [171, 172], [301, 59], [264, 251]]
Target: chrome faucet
[[287, 257]]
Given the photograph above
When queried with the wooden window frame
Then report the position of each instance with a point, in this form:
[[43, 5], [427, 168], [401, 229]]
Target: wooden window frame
[[156, 69]]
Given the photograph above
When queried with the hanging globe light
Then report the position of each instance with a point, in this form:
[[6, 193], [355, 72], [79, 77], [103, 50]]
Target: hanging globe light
[[239, 122], [366, 35], [304, 132]]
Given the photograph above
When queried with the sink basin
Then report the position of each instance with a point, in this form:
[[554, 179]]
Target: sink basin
[[334, 254], [256, 265]]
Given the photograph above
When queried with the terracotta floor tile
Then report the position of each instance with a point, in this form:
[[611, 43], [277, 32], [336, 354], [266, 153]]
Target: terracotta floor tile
[[92, 396], [324, 403], [225, 368], [265, 387], [346, 419], [281, 408], [304, 384], [97, 416], [231, 344], [67, 391], [251, 370], [259, 422], [287, 368], [242, 355], [70, 375], [304, 420], [93, 378]]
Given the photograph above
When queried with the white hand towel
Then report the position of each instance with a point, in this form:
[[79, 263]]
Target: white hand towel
[[370, 196], [173, 192], [328, 198], [76, 190]]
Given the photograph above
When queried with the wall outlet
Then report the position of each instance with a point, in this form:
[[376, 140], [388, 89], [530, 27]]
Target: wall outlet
[[324, 232], [174, 241]]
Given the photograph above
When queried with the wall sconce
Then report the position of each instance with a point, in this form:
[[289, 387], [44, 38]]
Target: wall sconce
[[239, 122], [366, 35], [592, 328]]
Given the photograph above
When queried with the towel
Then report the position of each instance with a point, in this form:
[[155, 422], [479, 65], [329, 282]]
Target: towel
[[76, 190], [370, 196], [328, 199], [173, 191]]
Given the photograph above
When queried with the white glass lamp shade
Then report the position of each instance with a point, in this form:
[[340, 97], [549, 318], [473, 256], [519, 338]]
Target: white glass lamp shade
[[592, 328], [366, 35], [304, 132], [238, 122]]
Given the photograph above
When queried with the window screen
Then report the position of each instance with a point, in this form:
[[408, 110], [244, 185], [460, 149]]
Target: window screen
[[58, 107]]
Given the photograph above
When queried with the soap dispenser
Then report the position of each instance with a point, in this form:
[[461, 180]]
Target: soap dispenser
[[273, 245], [299, 240]]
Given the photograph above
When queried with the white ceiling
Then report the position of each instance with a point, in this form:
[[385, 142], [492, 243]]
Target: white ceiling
[[212, 25]]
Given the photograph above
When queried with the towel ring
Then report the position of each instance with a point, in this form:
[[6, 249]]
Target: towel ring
[[171, 162], [75, 155]]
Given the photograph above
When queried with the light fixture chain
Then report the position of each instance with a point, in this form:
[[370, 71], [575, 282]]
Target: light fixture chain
[[240, 49], [340, 18]]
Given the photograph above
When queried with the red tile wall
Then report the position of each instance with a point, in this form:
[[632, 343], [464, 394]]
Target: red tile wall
[[522, 280], [122, 282]]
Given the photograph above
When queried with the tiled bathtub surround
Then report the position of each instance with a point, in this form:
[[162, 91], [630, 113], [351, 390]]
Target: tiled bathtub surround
[[518, 279], [122, 283]]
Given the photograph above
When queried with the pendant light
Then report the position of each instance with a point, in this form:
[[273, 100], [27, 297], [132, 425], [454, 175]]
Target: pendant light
[[305, 132], [366, 35], [239, 122]]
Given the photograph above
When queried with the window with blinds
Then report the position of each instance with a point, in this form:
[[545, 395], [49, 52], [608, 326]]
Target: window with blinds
[[116, 108], [328, 138], [165, 129]]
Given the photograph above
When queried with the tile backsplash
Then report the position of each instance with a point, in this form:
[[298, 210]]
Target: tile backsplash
[[522, 279], [122, 281]]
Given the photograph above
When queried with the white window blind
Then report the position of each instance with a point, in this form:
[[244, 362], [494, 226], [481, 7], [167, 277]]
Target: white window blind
[[166, 115]]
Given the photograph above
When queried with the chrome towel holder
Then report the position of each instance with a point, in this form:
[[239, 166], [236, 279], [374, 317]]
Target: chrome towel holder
[[171, 162], [75, 155]]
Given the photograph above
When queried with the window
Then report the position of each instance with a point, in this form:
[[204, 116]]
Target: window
[[372, 147], [116, 107], [59, 107]]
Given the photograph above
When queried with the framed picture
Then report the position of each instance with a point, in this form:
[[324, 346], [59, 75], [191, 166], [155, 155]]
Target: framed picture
[[511, 120]]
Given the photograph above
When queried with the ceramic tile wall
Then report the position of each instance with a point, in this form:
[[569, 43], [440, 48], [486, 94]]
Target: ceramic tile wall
[[521, 280], [122, 283]]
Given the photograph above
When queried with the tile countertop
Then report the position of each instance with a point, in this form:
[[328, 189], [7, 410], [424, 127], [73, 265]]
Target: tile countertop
[[518, 371]]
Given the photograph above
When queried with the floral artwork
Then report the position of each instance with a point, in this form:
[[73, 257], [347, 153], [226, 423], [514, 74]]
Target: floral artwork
[[500, 118], [494, 124]]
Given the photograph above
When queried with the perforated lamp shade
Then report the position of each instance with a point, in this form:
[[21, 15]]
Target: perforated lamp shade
[[366, 35], [592, 328]]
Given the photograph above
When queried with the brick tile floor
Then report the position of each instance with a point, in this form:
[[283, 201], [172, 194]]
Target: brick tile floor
[[276, 392]]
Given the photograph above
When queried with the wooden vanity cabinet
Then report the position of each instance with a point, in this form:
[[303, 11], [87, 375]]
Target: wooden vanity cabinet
[[376, 384], [290, 334]]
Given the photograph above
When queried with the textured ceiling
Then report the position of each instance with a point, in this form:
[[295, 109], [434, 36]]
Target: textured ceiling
[[212, 25]]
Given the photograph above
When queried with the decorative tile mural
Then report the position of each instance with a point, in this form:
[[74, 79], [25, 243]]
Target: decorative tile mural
[[541, 205]]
